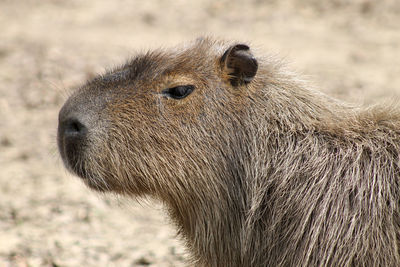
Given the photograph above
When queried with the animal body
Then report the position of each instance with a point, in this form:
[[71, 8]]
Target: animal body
[[254, 167]]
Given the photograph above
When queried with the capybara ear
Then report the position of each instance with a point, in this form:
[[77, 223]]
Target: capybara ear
[[239, 64]]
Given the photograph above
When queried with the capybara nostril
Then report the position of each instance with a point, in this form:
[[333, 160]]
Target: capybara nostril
[[74, 128], [71, 131]]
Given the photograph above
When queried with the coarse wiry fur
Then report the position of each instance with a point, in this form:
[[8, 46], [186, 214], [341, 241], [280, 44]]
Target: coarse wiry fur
[[268, 173]]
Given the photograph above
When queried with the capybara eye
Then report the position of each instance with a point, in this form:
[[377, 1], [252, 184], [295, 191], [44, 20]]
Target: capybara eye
[[178, 92]]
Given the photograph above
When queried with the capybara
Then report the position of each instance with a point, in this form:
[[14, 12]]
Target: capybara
[[253, 166]]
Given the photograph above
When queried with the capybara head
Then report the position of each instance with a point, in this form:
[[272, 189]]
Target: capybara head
[[255, 168], [162, 119]]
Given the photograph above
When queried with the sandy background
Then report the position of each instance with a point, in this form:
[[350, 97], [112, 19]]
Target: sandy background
[[47, 217]]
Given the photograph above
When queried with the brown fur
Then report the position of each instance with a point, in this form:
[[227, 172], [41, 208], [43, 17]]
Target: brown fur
[[265, 173]]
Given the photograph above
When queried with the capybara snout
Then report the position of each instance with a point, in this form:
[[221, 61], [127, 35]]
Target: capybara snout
[[80, 120]]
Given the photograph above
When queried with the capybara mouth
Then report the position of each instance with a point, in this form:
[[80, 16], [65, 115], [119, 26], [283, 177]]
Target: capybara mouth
[[78, 169], [74, 161]]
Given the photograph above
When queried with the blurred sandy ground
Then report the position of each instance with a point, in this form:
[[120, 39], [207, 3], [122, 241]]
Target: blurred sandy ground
[[47, 217]]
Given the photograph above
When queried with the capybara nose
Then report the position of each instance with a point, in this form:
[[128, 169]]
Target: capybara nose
[[72, 134]]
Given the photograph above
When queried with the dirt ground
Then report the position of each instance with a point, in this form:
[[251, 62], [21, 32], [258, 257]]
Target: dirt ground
[[47, 47]]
